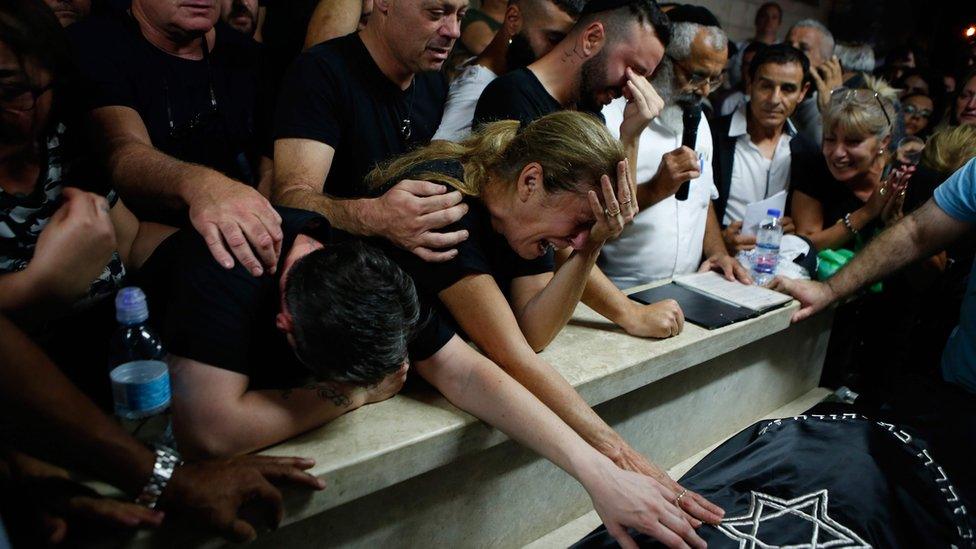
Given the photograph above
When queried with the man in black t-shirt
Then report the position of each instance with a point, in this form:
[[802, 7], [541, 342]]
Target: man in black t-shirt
[[256, 360], [355, 101], [170, 93], [239, 352], [608, 53]]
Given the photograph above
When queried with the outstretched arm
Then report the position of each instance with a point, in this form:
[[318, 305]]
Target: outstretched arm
[[236, 221], [918, 235], [622, 498]]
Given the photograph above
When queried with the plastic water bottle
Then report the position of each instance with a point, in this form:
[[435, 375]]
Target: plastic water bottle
[[767, 247], [138, 371]]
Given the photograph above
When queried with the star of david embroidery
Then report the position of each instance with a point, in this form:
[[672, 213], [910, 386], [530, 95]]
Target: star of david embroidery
[[800, 523]]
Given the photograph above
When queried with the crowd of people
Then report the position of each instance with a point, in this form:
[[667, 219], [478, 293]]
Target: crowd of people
[[320, 198]]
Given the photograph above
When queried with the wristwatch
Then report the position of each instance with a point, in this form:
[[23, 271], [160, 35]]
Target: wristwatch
[[167, 460]]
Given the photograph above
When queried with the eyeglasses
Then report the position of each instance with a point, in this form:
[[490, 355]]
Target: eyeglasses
[[860, 95], [21, 97], [696, 79], [912, 110]]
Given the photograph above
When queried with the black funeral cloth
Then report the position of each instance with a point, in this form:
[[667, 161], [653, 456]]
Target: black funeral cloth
[[830, 480]]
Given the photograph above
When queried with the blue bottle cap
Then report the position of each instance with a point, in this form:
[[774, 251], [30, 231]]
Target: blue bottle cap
[[774, 212], [130, 306]]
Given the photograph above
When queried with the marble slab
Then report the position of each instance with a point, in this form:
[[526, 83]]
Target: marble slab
[[410, 440]]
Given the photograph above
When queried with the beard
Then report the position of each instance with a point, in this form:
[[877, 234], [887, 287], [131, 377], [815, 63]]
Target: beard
[[665, 85], [592, 78], [519, 53], [238, 9]]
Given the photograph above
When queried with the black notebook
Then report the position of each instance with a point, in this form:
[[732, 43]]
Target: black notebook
[[714, 310]]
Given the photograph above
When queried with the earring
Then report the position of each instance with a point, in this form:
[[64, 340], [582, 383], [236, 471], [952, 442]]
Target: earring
[[880, 152]]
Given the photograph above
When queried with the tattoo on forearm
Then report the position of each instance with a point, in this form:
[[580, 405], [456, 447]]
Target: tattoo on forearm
[[324, 391]]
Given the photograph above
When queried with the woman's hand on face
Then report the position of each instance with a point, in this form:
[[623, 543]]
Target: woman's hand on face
[[610, 221]]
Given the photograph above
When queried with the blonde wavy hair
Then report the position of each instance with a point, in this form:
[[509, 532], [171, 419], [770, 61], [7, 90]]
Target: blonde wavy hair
[[947, 150], [574, 149], [862, 111]]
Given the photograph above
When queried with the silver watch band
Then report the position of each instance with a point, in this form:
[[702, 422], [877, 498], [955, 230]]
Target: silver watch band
[[167, 460]]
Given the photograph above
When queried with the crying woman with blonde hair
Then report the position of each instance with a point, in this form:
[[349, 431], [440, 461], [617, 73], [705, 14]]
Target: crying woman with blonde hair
[[549, 184], [560, 181]]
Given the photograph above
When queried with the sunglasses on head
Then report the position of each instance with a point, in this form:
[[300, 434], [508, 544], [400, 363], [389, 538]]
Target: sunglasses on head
[[860, 95]]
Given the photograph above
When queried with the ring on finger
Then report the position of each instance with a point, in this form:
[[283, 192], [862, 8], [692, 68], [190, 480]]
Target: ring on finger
[[677, 500], [613, 214], [625, 202]]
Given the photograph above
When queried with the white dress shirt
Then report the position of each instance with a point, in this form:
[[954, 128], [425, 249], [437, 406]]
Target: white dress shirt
[[755, 177], [462, 98], [665, 239]]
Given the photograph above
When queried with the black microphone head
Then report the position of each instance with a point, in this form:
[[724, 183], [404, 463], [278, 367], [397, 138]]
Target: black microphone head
[[691, 110]]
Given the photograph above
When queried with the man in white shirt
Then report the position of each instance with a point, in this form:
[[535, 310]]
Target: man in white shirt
[[740, 96], [530, 30], [758, 152], [670, 236]]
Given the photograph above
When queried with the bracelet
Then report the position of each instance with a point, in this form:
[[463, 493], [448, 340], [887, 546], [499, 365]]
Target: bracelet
[[849, 225], [167, 460]]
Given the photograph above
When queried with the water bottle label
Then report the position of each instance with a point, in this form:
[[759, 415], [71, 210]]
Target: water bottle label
[[140, 388]]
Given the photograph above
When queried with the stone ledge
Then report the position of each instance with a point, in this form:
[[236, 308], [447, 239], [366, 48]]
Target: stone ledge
[[417, 431]]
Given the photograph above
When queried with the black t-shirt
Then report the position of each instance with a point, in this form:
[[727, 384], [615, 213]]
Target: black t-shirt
[[117, 66], [517, 95], [484, 252], [336, 94], [837, 199], [226, 317]]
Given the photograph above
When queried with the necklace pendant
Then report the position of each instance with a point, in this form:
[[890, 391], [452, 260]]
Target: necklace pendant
[[406, 129]]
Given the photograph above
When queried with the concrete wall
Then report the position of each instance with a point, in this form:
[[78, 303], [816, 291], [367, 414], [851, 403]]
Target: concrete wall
[[737, 16]]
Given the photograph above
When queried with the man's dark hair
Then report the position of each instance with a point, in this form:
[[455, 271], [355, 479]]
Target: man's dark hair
[[570, 7], [763, 7], [353, 312], [32, 33], [617, 14], [779, 54]]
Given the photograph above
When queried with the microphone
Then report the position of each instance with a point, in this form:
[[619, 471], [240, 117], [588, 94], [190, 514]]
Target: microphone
[[690, 117]]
